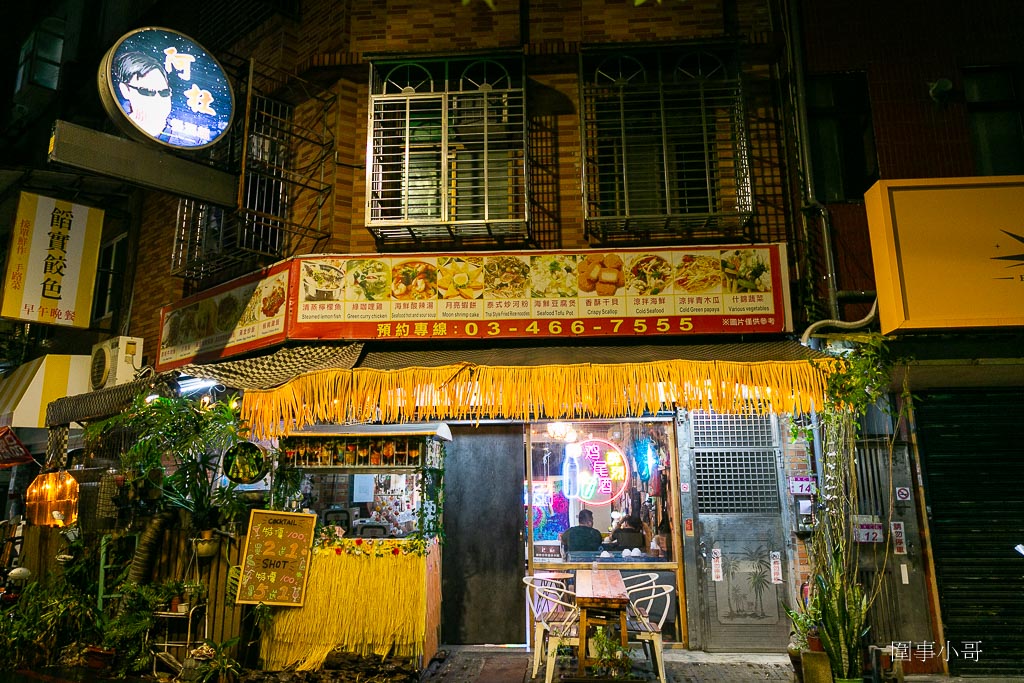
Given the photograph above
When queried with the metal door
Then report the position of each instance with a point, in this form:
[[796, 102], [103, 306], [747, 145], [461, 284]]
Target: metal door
[[741, 538], [483, 563], [971, 450]]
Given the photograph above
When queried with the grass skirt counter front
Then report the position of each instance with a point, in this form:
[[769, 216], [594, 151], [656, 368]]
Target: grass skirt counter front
[[365, 596]]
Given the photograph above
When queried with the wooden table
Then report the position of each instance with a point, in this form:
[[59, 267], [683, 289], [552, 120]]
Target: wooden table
[[599, 590]]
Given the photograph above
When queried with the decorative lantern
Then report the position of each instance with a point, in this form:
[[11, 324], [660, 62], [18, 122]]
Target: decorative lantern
[[52, 499]]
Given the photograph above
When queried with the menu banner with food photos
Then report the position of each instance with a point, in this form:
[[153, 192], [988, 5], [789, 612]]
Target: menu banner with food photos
[[487, 295], [239, 316], [620, 292]]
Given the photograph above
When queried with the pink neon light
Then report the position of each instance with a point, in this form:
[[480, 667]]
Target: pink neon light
[[591, 453]]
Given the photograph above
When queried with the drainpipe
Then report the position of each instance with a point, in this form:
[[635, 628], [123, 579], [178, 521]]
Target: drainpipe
[[811, 205], [841, 324]]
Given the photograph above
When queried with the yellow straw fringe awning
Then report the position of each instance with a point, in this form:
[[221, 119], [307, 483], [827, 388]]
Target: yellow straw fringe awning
[[466, 391], [361, 604]]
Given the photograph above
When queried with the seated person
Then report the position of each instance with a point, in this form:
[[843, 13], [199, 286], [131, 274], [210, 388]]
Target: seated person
[[629, 535], [582, 537]]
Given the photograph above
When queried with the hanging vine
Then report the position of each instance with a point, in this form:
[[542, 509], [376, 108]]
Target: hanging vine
[[861, 384]]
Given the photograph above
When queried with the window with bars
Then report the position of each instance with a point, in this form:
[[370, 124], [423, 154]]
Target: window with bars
[[282, 187], [735, 464], [447, 153], [666, 147]]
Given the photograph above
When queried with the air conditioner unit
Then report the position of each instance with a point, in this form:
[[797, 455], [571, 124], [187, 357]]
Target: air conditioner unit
[[115, 361]]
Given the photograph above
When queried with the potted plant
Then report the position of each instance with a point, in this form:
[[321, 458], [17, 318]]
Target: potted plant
[[195, 592], [182, 439], [128, 631], [171, 593], [858, 385], [214, 663], [844, 608], [613, 660], [803, 633]]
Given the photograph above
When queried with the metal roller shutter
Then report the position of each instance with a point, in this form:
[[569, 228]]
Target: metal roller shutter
[[972, 453]]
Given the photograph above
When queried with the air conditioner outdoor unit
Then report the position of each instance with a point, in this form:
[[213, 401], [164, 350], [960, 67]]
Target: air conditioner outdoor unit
[[115, 361]]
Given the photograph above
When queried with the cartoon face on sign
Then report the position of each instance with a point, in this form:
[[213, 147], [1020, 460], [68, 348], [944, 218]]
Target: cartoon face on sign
[[159, 85], [594, 471]]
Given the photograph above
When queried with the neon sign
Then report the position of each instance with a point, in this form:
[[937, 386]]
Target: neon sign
[[594, 471]]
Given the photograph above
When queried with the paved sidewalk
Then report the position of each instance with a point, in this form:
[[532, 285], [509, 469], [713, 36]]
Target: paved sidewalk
[[490, 664], [482, 664]]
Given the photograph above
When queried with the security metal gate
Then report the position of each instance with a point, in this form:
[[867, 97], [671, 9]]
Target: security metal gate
[[736, 476], [972, 453]]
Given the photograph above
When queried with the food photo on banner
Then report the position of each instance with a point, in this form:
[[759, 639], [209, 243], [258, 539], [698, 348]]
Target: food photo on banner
[[160, 85]]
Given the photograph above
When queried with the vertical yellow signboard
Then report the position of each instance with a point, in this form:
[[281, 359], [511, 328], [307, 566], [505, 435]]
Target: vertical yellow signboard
[[51, 264]]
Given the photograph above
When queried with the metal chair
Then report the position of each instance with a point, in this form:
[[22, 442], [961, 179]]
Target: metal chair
[[557, 620], [338, 517], [637, 582], [649, 599], [545, 598], [371, 530], [562, 624]]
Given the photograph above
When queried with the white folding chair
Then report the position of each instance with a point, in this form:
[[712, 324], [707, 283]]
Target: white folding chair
[[651, 599], [637, 582], [550, 604], [562, 625]]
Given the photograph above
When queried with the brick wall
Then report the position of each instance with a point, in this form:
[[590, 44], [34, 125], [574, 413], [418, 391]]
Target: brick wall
[[902, 47], [154, 285], [796, 463], [328, 46]]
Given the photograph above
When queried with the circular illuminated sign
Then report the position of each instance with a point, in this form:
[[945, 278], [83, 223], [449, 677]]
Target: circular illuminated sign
[[594, 471], [161, 86]]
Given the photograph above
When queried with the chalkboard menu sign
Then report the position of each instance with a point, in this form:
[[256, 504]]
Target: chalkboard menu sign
[[275, 563]]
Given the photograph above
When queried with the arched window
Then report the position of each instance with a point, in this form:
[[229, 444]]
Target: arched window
[[665, 144], [447, 159]]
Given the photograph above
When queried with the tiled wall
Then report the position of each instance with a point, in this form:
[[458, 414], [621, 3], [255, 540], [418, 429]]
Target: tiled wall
[[329, 44]]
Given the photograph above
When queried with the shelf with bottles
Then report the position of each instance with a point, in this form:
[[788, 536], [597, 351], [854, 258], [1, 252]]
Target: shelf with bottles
[[354, 452]]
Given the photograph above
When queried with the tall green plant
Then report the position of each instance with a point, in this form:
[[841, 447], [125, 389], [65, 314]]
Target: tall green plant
[[844, 608], [860, 384], [183, 438]]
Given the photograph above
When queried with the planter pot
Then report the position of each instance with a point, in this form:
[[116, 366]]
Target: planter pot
[[98, 658], [848, 680], [207, 547], [815, 667], [797, 661], [814, 644]]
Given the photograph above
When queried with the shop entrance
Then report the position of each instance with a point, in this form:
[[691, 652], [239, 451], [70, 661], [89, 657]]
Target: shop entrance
[[741, 551], [483, 565]]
